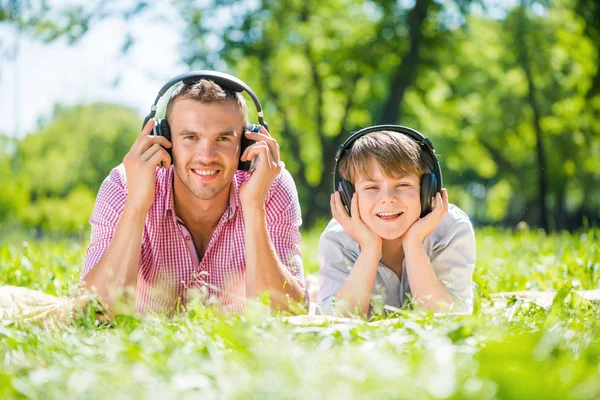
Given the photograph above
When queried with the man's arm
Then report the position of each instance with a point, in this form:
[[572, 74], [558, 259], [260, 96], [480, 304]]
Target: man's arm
[[264, 268], [115, 273]]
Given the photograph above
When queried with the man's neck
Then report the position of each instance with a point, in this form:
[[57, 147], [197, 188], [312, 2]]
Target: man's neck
[[198, 214]]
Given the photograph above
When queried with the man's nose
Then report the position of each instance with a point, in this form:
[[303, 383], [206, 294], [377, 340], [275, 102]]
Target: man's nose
[[206, 149]]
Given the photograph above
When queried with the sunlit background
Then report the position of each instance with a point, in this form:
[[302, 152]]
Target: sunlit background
[[509, 92]]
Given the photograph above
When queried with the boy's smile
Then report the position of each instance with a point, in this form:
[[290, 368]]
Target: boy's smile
[[388, 205]]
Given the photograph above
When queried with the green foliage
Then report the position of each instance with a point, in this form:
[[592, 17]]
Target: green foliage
[[14, 197], [508, 94], [55, 215], [512, 350], [79, 146], [59, 169]]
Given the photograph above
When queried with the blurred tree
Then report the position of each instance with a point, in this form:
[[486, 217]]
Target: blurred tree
[[510, 95], [322, 69], [14, 197], [64, 163], [482, 95]]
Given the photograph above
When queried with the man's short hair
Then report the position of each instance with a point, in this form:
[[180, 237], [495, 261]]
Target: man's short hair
[[397, 155], [207, 92]]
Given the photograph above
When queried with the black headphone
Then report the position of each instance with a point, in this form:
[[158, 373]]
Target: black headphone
[[431, 182], [226, 81]]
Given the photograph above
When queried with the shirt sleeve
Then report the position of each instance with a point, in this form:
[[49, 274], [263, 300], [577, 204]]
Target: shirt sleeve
[[335, 266], [109, 205], [283, 225], [453, 261]]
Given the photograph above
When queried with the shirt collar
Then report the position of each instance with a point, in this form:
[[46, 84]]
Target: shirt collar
[[234, 196], [169, 197]]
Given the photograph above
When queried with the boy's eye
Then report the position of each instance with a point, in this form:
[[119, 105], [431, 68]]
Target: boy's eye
[[371, 188], [403, 184]]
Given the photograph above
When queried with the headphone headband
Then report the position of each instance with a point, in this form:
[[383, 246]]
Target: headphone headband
[[413, 134], [222, 79]]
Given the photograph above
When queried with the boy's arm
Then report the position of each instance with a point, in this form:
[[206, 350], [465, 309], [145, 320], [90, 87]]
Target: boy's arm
[[427, 290], [354, 293], [453, 261], [442, 283]]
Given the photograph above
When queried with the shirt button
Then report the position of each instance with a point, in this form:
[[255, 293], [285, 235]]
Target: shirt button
[[187, 238], [388, 274]]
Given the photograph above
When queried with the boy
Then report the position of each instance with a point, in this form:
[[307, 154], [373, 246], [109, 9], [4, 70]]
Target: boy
[[401, 241]]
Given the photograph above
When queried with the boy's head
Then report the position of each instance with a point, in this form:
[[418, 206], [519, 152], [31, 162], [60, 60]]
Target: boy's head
[[385, 168], [394, 152]]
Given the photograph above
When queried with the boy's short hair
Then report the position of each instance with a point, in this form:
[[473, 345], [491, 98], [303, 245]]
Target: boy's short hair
[[397, 154], [207, 92]]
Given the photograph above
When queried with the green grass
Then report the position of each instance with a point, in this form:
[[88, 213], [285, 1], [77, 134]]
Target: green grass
[[510, 351]]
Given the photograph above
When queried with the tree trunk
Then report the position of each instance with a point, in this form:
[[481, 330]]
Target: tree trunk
[[404, 75], [539, 142]]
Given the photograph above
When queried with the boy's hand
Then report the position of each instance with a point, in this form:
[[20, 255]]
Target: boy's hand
[[354, 225], [423, 227]]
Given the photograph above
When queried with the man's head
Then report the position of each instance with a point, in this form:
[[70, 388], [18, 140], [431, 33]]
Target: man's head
[[385, 168], [207, 122]]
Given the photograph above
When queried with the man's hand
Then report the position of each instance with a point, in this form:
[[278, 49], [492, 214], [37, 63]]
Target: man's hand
[[140, 163], [254, 191], [423, 227], [354, 225]]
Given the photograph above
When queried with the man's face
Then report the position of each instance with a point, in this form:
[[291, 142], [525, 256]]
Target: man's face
[[206, 145], [389, 206]]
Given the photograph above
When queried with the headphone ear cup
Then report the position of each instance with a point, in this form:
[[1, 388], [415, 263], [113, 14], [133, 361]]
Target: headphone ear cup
[[162, 128], [346, 189], [428, 191], [245, 165]]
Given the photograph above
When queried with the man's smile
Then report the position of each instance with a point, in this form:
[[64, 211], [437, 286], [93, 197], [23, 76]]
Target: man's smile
[[206, 175]]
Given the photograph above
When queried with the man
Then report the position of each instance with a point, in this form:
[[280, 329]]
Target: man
[[199, 226]]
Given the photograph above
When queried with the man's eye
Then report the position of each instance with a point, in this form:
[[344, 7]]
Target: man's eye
[[190, 137], [223, 139]]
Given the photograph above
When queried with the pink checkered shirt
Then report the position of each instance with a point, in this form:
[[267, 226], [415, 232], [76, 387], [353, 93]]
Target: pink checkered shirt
[[170, 271]]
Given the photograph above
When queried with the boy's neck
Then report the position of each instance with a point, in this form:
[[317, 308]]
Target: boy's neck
[[392, 254]]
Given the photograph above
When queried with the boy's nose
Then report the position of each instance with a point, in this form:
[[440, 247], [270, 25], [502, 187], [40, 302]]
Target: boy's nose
[[388, 196]]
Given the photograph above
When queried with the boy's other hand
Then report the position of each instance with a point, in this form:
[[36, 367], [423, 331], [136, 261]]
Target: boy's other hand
[[423, 227], [354, 225]]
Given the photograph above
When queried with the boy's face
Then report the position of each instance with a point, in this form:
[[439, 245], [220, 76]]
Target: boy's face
[[389, 206]]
